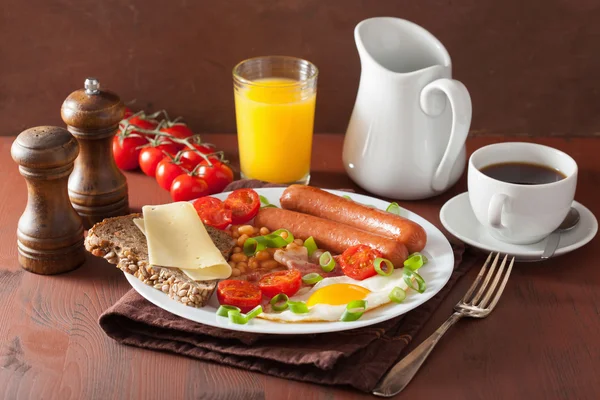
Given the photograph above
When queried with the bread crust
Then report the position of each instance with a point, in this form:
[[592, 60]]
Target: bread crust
[[120, 242]]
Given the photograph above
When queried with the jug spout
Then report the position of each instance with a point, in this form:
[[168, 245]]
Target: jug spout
[[398, 46]]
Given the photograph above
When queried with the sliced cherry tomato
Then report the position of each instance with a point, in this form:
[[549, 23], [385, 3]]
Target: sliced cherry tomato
[[218, 176], [244, 205], [193, 157], [126, 150], [357, 261], [167, 170], [188, 187], [242, 294], [212, 212], [287, 282], [150, 157]]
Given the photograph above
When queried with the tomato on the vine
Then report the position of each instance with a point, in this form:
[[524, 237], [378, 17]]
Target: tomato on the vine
[[128, 113], [126, 150], [178, 130], [212, 212], [167, 170], [193, 157], [188, 187], [216, 176]]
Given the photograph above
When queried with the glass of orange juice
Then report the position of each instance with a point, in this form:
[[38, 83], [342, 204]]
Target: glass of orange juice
[[275, 111]]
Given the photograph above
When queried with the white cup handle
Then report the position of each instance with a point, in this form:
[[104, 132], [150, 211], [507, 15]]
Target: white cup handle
[[495, 210], [432, 101]]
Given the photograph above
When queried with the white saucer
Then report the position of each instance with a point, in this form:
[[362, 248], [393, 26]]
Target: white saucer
[[458, 218]]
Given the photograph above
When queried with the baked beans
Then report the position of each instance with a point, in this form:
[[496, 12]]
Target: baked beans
[[262, 260]]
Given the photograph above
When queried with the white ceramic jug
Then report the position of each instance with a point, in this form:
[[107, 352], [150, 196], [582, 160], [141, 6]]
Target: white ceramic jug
[[403, 140]]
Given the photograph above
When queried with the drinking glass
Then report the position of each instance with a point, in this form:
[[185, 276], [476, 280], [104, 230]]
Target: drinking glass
[[275, 108]]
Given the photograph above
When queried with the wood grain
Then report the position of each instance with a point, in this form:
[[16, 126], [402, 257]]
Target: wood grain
[[540, 343]]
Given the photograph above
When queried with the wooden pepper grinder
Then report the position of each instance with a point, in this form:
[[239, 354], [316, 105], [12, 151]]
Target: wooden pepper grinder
[[97, 187], [50, 233]]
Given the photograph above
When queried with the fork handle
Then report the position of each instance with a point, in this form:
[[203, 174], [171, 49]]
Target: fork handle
[[402, 373]]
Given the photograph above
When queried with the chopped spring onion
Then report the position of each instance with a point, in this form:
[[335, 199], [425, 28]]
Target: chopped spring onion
[[408, 279], [347, 197], [275, 241], [415, 261], [265, 202], [377, 264], [280, 302], [289, 239], [394, 208], [312, 278], [327, 262], [397, 295], [223, 311], [354, 310], [298, 307], [254, 245], [235, 315], [310, 245]]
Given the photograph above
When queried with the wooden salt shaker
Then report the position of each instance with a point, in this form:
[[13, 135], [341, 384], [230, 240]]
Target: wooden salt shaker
[[50, 233], [97, 187]]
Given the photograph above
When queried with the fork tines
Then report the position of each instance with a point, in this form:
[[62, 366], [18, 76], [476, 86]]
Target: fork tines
[[482, 295]]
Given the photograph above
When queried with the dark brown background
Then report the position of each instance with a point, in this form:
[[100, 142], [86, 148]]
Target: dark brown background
[[532, 67]]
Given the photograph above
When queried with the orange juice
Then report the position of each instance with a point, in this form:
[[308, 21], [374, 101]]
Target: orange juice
[[275, 126]]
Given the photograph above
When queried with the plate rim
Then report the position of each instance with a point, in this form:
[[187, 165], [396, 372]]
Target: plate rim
[[271, 327], [528, 254]]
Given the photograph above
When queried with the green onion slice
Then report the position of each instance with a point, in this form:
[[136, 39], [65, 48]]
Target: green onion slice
[[377, 264], [354, 310], [254, 245], [238, 318], [280, 302], [223, 311], [394, 208], [347, 197], [408, 279], [298, 307], [310, 245], [275, 241], [397, 295], [265, 202], [327, 262], [415, 261], [254, 312], [278, 232], [312, 278]]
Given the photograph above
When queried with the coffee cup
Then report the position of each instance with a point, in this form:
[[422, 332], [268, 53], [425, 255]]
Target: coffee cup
[[521, 192]]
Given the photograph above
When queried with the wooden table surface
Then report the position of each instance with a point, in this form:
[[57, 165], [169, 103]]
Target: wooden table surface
[[541, 342]]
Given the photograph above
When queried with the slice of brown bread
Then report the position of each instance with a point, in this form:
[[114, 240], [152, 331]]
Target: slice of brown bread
[[120, 242]]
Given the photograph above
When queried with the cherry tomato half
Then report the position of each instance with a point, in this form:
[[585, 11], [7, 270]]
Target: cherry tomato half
[[242, 294], [244, 205], [167, 170], [188, 187], [287, 282], [126, 151], [357, 261], [212, 212]]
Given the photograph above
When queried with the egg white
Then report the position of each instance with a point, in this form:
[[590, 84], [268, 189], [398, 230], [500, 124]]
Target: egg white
[[380, 287]]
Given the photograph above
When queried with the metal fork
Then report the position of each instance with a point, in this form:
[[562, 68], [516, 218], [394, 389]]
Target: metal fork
[[478, 302]]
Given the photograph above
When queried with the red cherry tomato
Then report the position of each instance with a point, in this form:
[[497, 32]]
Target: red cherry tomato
[[193, 157], [218, 176], [188, 187], [140, 122], [287, 282], [128, 113], [244, 205], [126, 151], [237, 293], [212, 212], [357, 261], [179, 130], [167, 170]]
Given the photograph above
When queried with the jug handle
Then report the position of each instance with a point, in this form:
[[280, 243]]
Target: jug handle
[[432, 101]]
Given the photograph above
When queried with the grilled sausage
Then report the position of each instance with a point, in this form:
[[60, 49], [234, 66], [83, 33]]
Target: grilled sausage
[[317, 202], [329, 235]]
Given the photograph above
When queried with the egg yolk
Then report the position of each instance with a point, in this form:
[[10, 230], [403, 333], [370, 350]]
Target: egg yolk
[[337, 294]]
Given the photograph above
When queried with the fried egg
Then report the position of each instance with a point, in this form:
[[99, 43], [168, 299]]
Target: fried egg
[[327, 299]]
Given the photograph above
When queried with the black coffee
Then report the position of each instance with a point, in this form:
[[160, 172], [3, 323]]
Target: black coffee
[[523, 173]]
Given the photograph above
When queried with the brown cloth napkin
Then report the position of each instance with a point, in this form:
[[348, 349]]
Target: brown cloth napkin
[[357, 358]]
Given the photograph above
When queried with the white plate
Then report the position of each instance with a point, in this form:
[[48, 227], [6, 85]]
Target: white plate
[[436, 274], [458, 218]]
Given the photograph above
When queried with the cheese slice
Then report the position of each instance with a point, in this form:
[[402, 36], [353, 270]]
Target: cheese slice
[[177, 238]]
